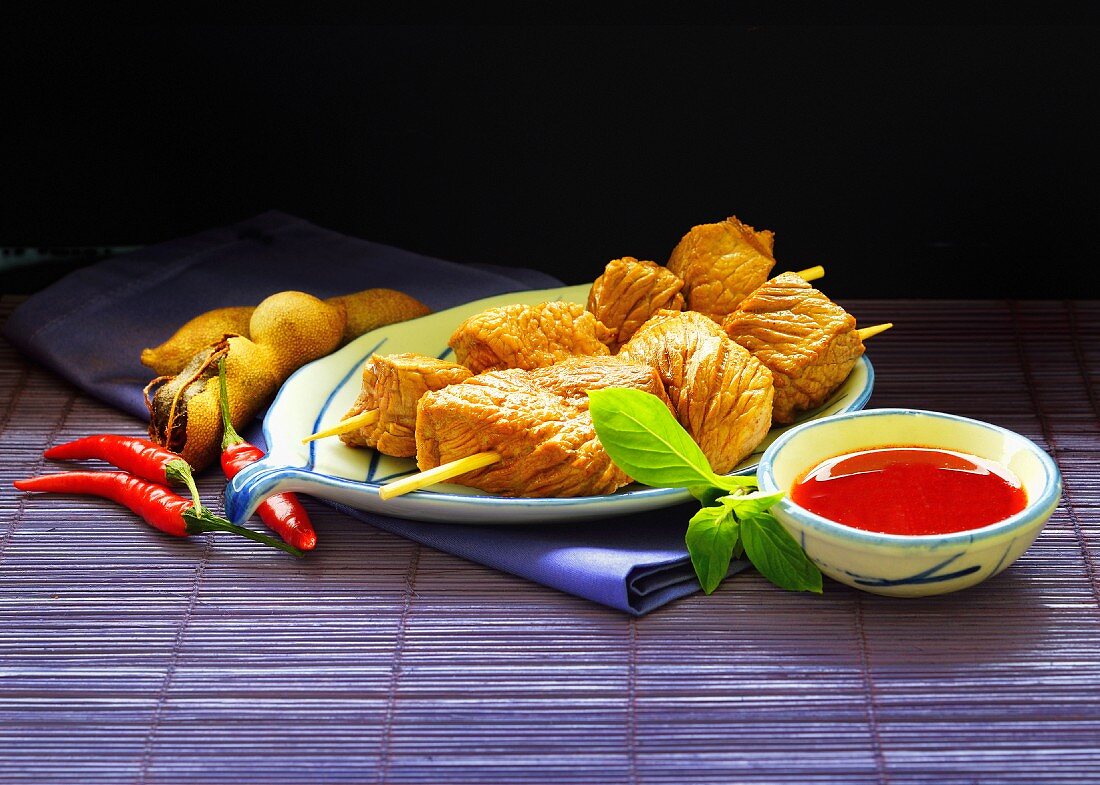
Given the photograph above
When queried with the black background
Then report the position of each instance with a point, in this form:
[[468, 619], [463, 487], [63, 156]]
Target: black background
[[948, 161]]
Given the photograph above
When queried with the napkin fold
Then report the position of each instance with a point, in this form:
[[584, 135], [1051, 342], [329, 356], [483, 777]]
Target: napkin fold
[[91, 326]]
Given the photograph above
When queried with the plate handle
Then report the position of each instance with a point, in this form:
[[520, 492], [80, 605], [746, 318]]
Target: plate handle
[[256, 482]]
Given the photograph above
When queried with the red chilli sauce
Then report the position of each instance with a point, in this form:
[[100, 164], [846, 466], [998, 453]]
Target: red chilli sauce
[[910, 491]]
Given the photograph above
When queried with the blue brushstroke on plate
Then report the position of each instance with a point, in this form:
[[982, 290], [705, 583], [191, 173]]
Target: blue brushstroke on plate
[[927, 576]]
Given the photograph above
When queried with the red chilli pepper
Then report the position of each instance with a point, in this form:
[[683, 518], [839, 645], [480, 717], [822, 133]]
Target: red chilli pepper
[[155, 504], [132, 454], [282, 513]]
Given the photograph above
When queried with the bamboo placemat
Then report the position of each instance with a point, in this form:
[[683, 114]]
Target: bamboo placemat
[[130, 657]]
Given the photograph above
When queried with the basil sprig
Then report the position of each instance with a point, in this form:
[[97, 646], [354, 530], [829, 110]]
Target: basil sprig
[[645, 441]]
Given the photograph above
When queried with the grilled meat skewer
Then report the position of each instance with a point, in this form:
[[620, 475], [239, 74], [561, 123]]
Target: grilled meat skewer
[[392, 386], [535, 422], [629, 291], [809, 343], [521, 336]]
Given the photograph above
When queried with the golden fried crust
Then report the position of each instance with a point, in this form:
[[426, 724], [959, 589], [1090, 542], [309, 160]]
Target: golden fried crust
[[726, 403], [666, 341], [574, 377], [527, 336], [719, 392], [630, 291], [392, 385], [721, 263], [809, 343], [537, 421]]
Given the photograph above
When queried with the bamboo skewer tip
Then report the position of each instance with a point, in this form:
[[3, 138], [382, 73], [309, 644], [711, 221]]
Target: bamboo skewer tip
[[811, 273], [873, 330], [441, 473], [354, 423]]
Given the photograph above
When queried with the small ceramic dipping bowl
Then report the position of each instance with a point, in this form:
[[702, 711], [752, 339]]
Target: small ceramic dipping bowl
[[909, 565]]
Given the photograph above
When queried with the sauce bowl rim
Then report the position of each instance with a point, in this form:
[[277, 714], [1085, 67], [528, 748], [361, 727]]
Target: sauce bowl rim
[[1051, 489]]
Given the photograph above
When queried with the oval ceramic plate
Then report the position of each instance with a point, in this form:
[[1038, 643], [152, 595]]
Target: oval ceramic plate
[[318, 395]]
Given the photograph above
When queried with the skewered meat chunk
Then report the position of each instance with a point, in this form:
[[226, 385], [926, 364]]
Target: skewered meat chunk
[[574, 377], [528, 336], [719, 392], [809, 342], [666, 341], [538, 421], [392, 385], [721, 263], [630, 291]]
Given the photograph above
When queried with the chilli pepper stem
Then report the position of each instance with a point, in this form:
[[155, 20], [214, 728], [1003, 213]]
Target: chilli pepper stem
[[179, 471], [202, 520], [229, 433]]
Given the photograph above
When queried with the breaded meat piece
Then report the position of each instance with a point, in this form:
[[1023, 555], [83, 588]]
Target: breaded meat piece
[[528, 336], [392, 385], [719, 392], [537, 421], [630, 291], [809, 343], [720, 263]]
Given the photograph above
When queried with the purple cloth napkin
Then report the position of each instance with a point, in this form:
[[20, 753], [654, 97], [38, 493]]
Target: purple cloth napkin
[[91, 326]]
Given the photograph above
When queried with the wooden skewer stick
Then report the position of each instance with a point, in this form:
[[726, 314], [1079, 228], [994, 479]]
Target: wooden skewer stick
[[354, 423], [811, 273], [441, 473], [874, 329]]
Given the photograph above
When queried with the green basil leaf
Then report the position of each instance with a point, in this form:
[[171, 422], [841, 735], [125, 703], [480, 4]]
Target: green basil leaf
[[707, 495], [711, 537], [747, 504], [645, 441], [777, 555]]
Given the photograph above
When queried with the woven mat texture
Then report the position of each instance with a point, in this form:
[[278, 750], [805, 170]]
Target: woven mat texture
[[130, 657]]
